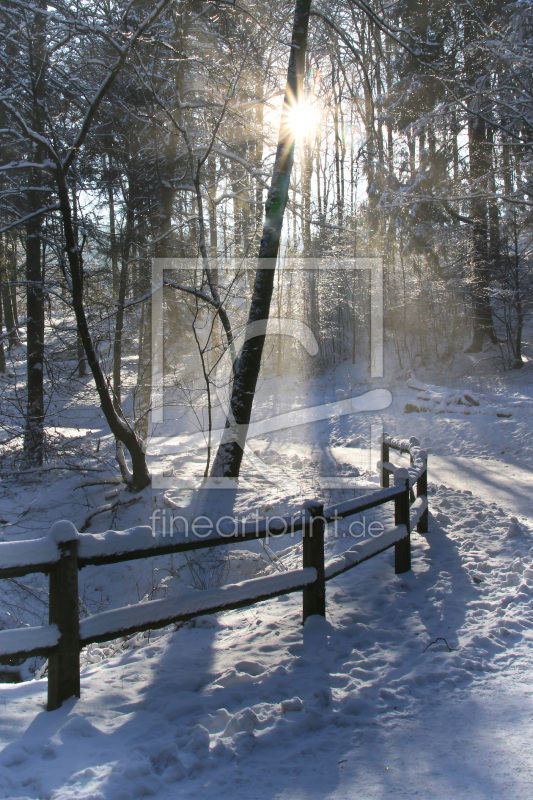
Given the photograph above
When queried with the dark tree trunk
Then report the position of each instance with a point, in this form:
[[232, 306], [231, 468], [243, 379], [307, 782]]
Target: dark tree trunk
[[482, 321], [123, 433], [113, 240], [34, 431], [480, 162], [82, 366], [12, 277], [228, 459], [8, 292], [2, 352], [121, 298]]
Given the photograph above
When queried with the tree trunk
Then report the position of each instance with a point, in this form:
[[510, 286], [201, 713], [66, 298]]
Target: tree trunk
[[2, 352], [82, 366], [9, 292], [482, 322], [228, 459], [113, 240], [123, 433], [479, 152], [34, 431], [119, 316]]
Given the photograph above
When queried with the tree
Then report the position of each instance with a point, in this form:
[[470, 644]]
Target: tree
[[246, 368], [56, 141]]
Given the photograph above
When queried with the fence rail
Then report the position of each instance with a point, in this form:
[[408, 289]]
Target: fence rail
[[64, 552]]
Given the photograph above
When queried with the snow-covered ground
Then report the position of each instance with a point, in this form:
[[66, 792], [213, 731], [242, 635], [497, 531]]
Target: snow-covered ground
[[417, 685]]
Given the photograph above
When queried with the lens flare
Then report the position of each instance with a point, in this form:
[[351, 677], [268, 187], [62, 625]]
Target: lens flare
[[303, 119]]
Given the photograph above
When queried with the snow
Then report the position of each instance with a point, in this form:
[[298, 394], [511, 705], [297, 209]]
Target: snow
[[63, 532], [416, 511], [250, 704], [374, 400], [186, 525], [366, 549], [351, 506], [28, 554], [413, 472], [131, 618], [27, 640], [415, 685], [509, 485], [113, 543]]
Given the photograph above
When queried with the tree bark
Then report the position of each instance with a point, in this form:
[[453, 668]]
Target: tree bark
[[121, 298], [123, 433], [2, 352], [34, 430], [228, 459], [479, 152], [8, 294], [482, 322], [82, 366]]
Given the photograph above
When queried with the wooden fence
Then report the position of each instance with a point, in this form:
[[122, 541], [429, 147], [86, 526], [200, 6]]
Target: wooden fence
[[64, 551]]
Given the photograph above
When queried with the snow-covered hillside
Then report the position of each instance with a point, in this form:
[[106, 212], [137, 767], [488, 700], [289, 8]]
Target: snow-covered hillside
[[417, 685]]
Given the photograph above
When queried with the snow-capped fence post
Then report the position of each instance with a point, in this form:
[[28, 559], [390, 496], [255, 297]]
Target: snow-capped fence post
[[422, 491], [64, 661], [385, 455], [402, 549], [314, 595], [413, 442]]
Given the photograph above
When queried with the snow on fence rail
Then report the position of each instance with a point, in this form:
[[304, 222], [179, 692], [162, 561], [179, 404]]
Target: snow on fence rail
[[64, 552]]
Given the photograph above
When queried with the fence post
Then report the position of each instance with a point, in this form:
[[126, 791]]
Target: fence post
[[413, 442], [422, 491], [64, 661], [402, 549], [314, 596], [385, 456]]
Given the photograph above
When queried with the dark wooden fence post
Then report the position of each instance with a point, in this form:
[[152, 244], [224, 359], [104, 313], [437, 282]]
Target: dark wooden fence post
[[402, 549], [422, 491], [64, 662], [314, 596], [385, 457]]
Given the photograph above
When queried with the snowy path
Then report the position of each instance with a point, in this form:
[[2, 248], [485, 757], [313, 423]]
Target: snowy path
[[414, 686], [489, 479]]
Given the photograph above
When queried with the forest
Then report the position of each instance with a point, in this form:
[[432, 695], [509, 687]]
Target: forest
[[144, 131], [283, 249]]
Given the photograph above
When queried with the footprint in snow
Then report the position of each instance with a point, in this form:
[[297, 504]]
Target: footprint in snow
[[243, 672], [514, 529], [250, 667], [511, 579], [216, 722], [528, 577], [167, 757], [198, 743], [295, 704], [245, 721]]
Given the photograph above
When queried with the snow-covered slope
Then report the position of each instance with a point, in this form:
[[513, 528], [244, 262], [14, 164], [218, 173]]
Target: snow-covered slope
[[417, 685]]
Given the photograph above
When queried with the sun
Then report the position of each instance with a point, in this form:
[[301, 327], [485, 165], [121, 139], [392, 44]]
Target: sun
[[303, 119]]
